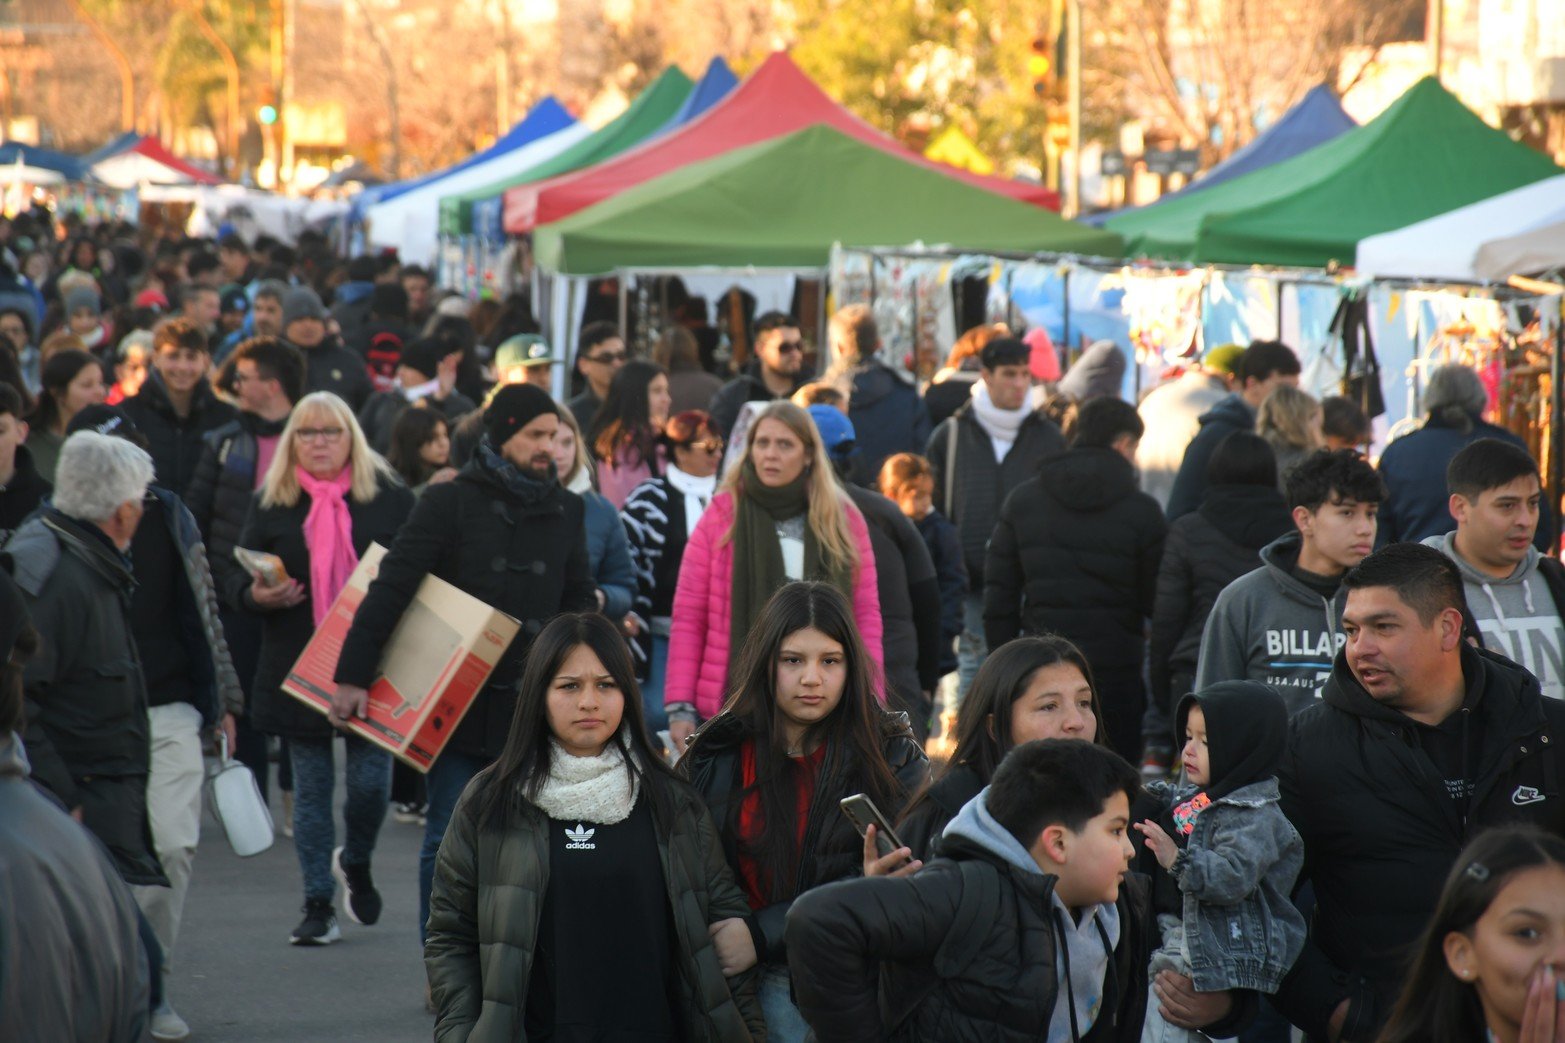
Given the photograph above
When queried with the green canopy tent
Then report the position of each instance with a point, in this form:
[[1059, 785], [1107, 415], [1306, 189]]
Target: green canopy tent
[[783, 203], [1425, 155], [645, 116]]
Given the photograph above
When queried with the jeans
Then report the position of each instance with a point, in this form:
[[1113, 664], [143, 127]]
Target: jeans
[[652, 691], [368, 782], [447, 778], [784, 1023], [971, 649], [174, 811]]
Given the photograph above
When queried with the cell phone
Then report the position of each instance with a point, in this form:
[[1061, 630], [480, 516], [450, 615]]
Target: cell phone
[[863, 813]]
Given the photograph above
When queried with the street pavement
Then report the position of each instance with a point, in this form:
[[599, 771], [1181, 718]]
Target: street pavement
[[237, 980]]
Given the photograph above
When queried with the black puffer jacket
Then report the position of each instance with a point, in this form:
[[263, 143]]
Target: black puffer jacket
[[1380, 832], [488, 895], [526, 558], [746, 387], [1076, 553], [176, 442], [331, 367], [887, 414], [977, 952], [1231, 414], [219, 497], [832, 848], [970, 484], [22, 494], [1206, 550], [285, 631]]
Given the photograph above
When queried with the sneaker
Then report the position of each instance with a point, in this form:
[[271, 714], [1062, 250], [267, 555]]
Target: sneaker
[[168, 1026], [406, 813], [361, 901], [319, 926], [1157, 762]]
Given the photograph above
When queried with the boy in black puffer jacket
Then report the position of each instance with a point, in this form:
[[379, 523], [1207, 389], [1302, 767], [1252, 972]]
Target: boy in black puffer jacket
[[1021, 930]]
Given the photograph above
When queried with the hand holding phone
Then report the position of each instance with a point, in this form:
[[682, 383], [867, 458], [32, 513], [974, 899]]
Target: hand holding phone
[[863, 813]]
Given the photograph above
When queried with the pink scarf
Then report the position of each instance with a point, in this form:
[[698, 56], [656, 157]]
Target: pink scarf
[[328, 533]]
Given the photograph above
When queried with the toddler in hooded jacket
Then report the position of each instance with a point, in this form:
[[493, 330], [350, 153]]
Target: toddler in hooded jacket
[[1227, 845]]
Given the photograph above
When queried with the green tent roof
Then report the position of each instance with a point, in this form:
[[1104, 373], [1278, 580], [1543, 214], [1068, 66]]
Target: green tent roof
[[782, 203], [1424, 155], [645, 116]]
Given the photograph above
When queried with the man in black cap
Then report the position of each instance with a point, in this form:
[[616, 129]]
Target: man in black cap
[[505, 532], [426, 379], [328, 366]]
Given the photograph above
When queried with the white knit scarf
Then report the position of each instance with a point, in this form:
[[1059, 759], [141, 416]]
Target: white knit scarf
[[592, 789], [996, 422], [698, 493]]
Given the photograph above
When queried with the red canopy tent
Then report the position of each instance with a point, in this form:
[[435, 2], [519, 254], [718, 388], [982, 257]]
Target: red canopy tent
[[156, 151], [777, 99]]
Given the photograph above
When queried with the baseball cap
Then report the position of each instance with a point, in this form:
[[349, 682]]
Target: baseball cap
[[524, 349]]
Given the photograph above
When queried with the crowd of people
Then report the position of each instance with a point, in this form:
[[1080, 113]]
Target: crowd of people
[[1164, 720]]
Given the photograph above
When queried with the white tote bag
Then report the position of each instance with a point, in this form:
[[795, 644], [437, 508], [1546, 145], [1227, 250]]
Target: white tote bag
[[235, 798]]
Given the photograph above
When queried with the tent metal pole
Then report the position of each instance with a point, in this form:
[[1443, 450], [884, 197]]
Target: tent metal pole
[[624, 301], [1557, 412]]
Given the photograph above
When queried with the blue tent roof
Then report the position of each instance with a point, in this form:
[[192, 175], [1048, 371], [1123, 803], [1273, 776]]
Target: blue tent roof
[[545, 118], [1315, 120], [72, 167], [712, 88], [113, 147]]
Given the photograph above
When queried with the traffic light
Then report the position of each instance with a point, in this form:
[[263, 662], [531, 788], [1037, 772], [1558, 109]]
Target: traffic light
[[267, 114], [1040, 66]]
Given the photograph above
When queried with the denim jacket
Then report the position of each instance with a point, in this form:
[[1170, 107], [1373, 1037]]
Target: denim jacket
[[1236, 873]]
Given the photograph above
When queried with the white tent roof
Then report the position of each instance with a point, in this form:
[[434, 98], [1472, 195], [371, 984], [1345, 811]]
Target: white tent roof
[[410, 223], [1518, 231]]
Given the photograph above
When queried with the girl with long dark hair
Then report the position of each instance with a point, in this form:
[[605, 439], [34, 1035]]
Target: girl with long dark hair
[[72, 380], [801, 730], [420, 449], [1490, 964], [581, 891], [1029, 688], [624, 434]]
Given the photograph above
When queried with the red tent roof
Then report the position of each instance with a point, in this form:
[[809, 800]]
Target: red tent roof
[[777, 99], [154, 150]]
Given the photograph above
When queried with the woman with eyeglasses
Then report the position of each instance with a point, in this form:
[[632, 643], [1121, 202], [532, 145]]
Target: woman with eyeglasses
[[325, 498], [623, 437], [659, 517], [778, 517]]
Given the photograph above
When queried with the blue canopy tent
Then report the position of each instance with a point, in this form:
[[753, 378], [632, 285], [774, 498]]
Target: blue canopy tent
[[545, 118], [72, 168], [120, 143], [1316, 119], [712, 88]]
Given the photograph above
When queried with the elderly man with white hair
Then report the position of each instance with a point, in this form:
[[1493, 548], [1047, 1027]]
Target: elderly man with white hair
[[86, 700]]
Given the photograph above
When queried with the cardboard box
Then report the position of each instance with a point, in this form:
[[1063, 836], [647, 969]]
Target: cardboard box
[[437, 660]]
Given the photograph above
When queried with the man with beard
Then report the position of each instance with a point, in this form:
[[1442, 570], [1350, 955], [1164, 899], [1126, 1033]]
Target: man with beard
[[505, 532]]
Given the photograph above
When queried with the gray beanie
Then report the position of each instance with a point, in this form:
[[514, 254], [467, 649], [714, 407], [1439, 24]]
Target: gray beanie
[[301, 302], [83, 297]]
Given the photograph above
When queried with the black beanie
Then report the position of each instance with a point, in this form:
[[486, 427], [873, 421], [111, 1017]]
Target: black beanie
[[1246, 732], [513, 408], [424, 355]]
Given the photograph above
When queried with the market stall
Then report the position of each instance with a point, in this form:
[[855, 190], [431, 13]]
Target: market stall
[[1425, 155], [1522, 230]]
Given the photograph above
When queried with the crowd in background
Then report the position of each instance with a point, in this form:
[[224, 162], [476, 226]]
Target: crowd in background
[[1174, 719]]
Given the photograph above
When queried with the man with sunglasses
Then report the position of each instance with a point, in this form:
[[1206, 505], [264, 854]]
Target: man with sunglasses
[[600, 352], [776, 370]]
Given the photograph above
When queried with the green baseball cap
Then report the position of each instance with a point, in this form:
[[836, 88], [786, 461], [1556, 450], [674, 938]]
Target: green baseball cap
[[524, 349]]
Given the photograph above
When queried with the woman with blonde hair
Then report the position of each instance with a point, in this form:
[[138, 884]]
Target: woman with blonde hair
[[779, 516], [608, 548], [325, 498], [1290, 420]]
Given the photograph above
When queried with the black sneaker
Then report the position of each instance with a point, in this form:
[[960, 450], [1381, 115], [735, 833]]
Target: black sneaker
[[319, 926], [361, 901]]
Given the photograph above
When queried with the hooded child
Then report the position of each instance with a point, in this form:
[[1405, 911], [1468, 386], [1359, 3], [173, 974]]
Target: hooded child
[[1229, 848]]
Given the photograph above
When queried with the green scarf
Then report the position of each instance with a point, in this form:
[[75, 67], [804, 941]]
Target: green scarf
[[758, 561]]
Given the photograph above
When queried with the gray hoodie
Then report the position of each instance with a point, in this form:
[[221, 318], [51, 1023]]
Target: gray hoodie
[[1516, 615], [1089, 960], [1268, 626]]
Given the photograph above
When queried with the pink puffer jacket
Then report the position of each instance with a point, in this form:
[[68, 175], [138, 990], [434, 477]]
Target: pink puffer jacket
[[703, 609]]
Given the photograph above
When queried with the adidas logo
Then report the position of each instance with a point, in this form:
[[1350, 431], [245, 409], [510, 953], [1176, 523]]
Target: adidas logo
[[579, 839]]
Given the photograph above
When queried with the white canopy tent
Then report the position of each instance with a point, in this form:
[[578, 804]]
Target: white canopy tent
[[1515, 232], [410, 223]]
